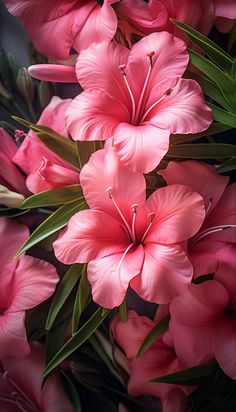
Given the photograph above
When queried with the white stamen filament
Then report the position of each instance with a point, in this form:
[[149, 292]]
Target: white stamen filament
[[19, 393], [124, 254], [41, 168], [209, 206], [211, 230], [144, 87], [109, 191], [151, 216], [154, 104], [122, 69], [134, 207]]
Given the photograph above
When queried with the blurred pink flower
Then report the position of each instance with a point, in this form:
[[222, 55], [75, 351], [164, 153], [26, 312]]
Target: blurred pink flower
[[24, 283], [57, 26], [137, 98], [160, 359], [22, 388], [44, 169], [207, 247], [128, 240], [204, 317]]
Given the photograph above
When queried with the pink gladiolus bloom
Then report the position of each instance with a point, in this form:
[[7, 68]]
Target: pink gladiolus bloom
[[56, 26], [128, 240], [10, 176], [219, 227], [225, 12], [137, 98], [24, 283], [21, 386], [160, 359], [46, 170], [204, 317]]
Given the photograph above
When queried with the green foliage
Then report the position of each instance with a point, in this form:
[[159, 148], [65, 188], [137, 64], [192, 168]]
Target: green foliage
[[154, 334]]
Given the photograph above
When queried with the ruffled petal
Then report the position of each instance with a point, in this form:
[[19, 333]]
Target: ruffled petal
[[109, 276], [173, 221], [90, 234], [166, 273], [141, 148]]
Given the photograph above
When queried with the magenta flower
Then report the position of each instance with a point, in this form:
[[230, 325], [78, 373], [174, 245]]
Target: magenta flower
[[127, 240], [137, 98], [56, 26], [24, 283], [208, 247], [44, 169], [21, 387]]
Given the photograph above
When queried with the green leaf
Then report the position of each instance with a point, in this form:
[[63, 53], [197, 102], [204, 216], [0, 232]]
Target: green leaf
[[71, 392], [198, 375], [81, 300], [64, 148], [123, 311], [227, 166], [154, 334], [77, 339], [202, 151], [54, 222], [233, 71], [85, 149], [222, 116], [11, 212], [215, 128], [214, 51], [219, 77], [53, 197], [63, 291]]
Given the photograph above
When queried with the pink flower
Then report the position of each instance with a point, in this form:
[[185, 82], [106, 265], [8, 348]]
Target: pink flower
[[10, 176], [46, 170], [160, 359], [207, 247], [24, 283], [21, 387], [225, 12], [128, 240], [137, 98], [204, 318], [59, 25]]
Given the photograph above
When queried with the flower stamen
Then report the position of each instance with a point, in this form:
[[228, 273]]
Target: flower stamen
[[150, 55], [167, 93], [134, 208], [209, 231], [122, 69], [109, 191], [151, 217]]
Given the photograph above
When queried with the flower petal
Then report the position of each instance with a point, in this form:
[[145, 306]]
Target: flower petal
[[173, 221], [95, 115], [141, 148], [183, 110], [166, 273], [90, 234], [12, 237], [53, 73], [110, 278], [12, 335], [224, 346]]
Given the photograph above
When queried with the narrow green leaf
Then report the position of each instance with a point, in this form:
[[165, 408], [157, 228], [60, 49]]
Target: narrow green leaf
[[85, 149], [153, 335], [53, 197], [233, 71], [218, 76], [55, 339], [215, 128], [227, 166], [11, 212], [54, 222], [81, 300], [71, 392], [198, 375], [123, 311], [222, 58], [222, 116], [202, 151], [77, 339], [232, 38], [63, 291]]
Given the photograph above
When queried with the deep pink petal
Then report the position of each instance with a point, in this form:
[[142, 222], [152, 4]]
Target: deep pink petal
[[95, 115], [141, 148], [166, 273], [201, 305], [90, 234], [100, 26], [173, 221], [53, 73], [206, 255], [225, 8], [225, 274], [183, 110], [109, 276], [176, 400], [224, 345], [8, 146], [200, 176], [34, 281], [12, 237], [127, 187], [12, 335], [10, 176]]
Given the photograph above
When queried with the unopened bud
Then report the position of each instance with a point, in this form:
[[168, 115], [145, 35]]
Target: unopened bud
[[4, 92], [45, 93], [25, 84], [9, 198]]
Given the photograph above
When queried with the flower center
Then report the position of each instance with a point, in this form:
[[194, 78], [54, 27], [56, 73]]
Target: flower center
[[18, 397], [138, 115]]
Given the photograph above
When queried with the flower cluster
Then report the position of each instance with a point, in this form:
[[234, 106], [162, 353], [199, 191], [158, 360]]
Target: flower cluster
[[130, 210]]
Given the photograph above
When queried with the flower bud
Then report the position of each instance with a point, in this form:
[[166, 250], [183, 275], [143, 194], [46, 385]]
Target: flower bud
[[25, 84], [45, 93], [9, 198]]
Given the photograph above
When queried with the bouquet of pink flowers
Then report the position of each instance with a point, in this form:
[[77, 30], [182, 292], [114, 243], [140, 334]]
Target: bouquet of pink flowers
[[118, 208]]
